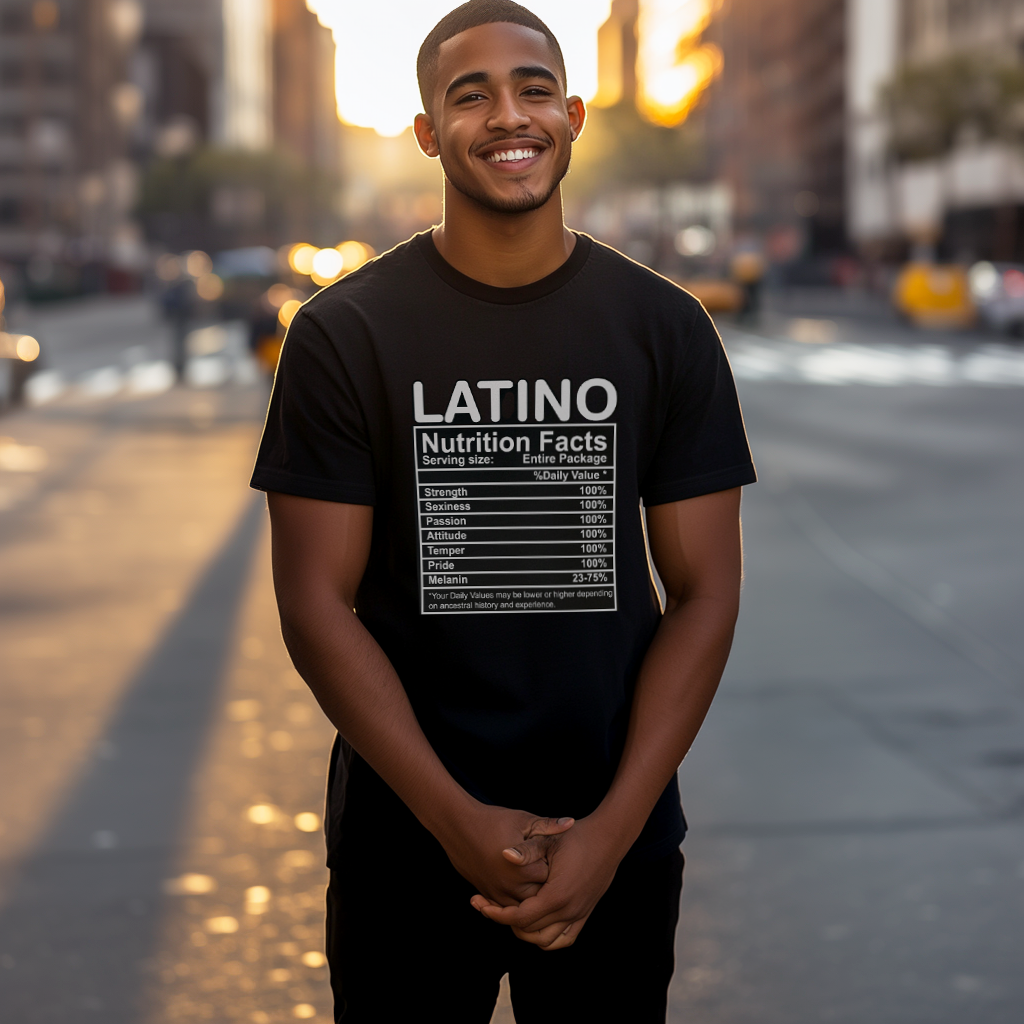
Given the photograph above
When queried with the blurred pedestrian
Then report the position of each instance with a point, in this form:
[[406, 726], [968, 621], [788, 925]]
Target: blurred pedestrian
[[265, 336], [178, 302], [747, 269], [453, 428]]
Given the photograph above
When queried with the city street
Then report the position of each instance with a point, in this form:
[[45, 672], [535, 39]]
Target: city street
[[856, 798]]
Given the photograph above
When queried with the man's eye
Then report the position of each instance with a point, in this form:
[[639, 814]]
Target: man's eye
[[471, 96]]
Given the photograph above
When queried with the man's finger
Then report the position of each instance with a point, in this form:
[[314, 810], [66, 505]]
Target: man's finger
[[567, 937], [496, 913], [545, 936], [479, 902], [531, 914], [549, 827], [529, 852]]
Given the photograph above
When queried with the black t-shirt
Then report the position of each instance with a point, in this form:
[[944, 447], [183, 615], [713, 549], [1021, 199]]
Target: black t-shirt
[[505, 437]]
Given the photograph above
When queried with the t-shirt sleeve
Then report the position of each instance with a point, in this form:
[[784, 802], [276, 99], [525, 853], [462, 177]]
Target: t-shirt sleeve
[[703, 444], [315, 443]]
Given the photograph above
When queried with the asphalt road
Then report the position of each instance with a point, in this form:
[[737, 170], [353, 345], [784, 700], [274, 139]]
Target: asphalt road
[[855, 799]]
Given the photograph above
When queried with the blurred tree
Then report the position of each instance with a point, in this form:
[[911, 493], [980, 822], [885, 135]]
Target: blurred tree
[[930, 107], [620, 147], [220, 199]]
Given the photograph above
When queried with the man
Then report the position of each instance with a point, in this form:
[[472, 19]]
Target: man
[[458, 442]]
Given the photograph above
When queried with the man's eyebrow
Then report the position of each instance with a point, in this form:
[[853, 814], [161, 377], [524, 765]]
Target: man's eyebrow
[[534, 71], [472, 78], [517, 74]]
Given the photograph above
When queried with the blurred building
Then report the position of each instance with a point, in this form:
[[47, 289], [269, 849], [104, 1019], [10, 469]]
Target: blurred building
[[93, 91], [67, 107], [761, 154], [873, 28], [253, 80], [775, 122], [179, 65], [304, 110], [936, 90], [617, 54]]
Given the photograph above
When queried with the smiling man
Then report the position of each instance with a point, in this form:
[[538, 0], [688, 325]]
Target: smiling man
[[459, 440]]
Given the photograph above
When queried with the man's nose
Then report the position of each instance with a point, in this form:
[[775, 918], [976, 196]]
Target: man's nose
[[508, 114]]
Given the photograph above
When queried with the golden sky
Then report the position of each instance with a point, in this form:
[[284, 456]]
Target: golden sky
[[378, 40]]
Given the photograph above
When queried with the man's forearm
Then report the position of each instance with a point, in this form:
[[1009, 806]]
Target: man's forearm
[[361, 694], [675, 687], [319, 554], [674, 690]]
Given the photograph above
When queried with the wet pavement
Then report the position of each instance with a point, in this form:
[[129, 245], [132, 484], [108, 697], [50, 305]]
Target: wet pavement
[[856, 799], [162, 857]]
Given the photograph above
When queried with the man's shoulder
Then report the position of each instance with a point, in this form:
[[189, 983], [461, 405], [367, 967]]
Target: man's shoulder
[[377, 284], [640, 280]]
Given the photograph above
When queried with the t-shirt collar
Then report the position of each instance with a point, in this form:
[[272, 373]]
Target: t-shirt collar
[[504, 296]]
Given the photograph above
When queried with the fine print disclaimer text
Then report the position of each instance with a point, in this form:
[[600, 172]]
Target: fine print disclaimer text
[[516, 518]]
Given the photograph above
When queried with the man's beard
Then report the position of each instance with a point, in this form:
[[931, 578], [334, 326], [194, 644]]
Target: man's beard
[[525, 202]]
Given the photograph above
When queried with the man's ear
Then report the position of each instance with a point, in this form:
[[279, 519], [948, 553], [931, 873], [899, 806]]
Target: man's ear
[[577, 115], [426, 137]]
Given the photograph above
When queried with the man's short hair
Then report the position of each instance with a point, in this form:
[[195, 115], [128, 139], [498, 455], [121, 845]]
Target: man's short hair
[[470, 15]]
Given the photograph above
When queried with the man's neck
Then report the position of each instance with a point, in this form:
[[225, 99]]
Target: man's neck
[[500, 249]]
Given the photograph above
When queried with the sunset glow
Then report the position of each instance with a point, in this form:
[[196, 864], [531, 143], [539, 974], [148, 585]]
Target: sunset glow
[[377, 45], [674, 67]]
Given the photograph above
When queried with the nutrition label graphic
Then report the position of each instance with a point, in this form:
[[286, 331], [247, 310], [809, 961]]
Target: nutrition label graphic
[[516, 517]]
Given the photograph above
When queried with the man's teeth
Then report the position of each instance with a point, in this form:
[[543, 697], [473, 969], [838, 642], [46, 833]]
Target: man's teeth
[[511, 154]]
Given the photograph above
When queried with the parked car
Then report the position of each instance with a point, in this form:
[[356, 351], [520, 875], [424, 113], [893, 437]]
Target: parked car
[[998, 293], [934, 295]]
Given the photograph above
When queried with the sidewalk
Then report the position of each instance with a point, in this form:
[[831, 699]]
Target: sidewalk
[[160, 848]]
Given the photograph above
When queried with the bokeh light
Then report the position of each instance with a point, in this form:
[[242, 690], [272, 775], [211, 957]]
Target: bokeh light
[[307, 821], [257, 899], [376, 84], [209, 287], [695, 240], [300, 257], [327, 265], [198, 263], [984, 280], [191, 884], [27, 349], [262, 814], [224, 925], [287, 311], [355, 254]]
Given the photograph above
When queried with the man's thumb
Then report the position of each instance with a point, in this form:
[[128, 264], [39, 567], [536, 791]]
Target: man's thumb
[[528, 852]]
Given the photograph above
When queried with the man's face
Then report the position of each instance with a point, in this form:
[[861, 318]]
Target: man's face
[[501, 123]]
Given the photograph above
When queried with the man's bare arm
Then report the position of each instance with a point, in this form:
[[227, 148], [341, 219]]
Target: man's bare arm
[[697, 550], [320, 551]]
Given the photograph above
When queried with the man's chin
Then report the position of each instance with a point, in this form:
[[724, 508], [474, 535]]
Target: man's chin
[[523, 199]]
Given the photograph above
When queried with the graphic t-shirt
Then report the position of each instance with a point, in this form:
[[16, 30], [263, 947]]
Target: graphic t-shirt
[[506, 437]]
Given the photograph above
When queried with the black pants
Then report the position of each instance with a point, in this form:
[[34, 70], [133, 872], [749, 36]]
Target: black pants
[[404, 944]]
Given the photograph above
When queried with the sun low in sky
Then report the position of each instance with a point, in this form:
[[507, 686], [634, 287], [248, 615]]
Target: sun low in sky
[[378, 41]]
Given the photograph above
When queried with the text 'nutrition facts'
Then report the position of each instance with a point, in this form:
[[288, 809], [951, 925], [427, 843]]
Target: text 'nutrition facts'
[[516, 518]]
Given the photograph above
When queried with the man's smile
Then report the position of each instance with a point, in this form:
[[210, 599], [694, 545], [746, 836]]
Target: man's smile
[[512, 154]]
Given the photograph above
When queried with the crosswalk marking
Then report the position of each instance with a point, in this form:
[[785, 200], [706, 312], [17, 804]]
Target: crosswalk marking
[[882, 365]]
